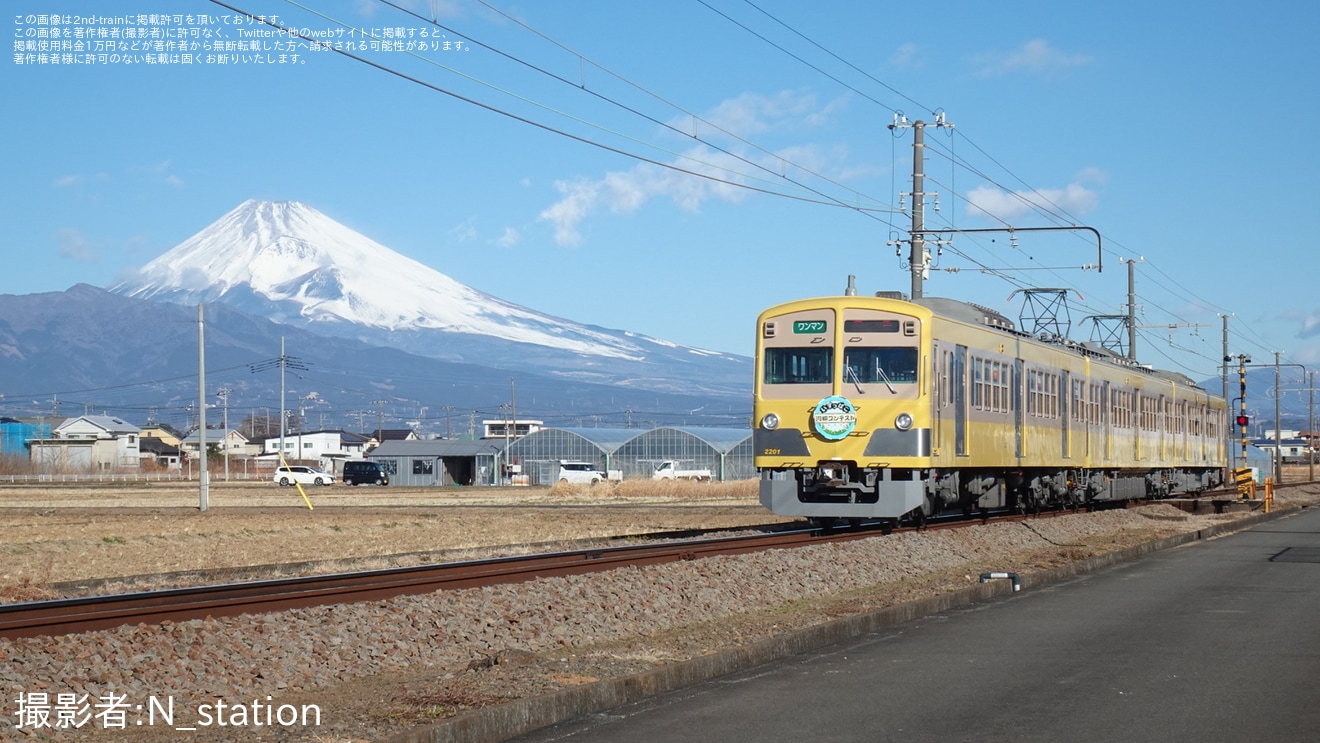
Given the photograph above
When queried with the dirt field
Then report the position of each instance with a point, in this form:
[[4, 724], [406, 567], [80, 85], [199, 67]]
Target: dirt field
[[56, 535]]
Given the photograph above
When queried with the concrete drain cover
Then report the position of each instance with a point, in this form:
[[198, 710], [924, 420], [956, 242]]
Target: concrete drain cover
[[1298, 554]]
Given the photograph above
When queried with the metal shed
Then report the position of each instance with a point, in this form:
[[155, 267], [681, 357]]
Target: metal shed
[[439, 462]]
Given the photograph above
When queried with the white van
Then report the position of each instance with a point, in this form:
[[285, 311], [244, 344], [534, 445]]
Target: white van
[[580, 472]]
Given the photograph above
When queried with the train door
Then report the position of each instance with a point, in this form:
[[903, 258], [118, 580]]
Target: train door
[[940, 390], [960, 401], [1086, 417], [1066, 393], [1017, 408], [1106, 423], [1204, 430], [1164, 428], [1180, 437], [1136, 424]]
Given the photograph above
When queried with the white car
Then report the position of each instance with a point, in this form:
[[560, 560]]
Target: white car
[[304, 475], [580, 472]]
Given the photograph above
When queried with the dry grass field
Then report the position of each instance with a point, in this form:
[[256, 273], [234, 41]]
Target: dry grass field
[[60, 534]]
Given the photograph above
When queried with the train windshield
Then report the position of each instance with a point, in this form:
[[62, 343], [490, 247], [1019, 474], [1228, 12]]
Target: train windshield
[[798, 365], [881, 365]]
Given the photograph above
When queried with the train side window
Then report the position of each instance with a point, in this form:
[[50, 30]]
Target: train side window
[[978, 384]]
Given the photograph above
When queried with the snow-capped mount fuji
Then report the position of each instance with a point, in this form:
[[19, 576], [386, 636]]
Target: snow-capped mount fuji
[[291, 263]]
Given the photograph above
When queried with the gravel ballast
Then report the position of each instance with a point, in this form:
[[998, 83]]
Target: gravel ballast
[[376, 670]]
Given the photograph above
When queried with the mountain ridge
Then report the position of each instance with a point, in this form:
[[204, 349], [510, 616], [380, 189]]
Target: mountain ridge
[[290, 262], [88, 349]]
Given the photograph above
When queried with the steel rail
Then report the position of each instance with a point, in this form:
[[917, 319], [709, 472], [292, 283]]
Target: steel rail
[[68, 616]]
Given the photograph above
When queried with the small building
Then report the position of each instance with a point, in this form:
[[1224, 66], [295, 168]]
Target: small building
[[1290, 450], [502, 429], [439, 462], [328, 448], [226, 443], [161, 454], [379, 436], [99, 443], [162, 432], [15, 435]]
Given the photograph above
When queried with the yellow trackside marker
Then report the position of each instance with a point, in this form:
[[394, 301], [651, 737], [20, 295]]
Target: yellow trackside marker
[[301, 492]]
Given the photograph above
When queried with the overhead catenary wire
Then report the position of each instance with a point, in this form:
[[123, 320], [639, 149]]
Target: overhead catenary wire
[[1035, 199]]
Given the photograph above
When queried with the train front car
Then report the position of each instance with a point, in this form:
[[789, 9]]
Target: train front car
[[842, 407]]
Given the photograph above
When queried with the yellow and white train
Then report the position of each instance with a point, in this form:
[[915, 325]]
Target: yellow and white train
[[876, 407]]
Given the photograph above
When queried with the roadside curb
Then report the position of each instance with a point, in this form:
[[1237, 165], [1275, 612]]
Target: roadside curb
[[498, 723]]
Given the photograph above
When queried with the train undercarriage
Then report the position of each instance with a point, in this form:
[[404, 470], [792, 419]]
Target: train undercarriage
[[844, 490]]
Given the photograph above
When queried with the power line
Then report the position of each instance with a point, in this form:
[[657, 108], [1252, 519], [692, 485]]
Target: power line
[[824, 201], [664, 124]]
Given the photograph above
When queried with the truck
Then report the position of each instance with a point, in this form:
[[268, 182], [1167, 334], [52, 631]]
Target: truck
[[669, 470]]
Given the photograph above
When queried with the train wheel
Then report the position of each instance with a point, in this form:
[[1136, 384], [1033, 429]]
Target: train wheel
[[917, 517]]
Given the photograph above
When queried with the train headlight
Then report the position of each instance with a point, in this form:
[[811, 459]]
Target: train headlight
[[903, 422], [769, 421]]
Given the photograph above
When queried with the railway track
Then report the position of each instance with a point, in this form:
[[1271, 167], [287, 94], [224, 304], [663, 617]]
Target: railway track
[[75, 615]]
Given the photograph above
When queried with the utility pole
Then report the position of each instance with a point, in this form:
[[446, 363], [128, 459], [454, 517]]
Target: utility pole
[[380, 420], [1224, 373], [283, 362], [224, 448], [283, 415], [1243, 420], [1278, 427], [1132, 308], [203, 476], [918, 256], [1310, 431], [504, 454]]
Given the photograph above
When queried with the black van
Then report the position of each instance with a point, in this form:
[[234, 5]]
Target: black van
[[358, 472]]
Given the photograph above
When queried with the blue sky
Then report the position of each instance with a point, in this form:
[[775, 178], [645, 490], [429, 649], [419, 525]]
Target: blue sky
[[1182, 135]]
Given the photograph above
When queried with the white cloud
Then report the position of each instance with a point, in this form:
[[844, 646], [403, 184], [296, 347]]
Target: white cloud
[[579, 200], [752, 113], [905, 56], [1075, 198], [465, 231], [625, 192], [1308, 322], [1035, 56], [74, 245], [509, 238]]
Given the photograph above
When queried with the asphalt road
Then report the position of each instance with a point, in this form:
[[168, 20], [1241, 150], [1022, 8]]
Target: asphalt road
[[1215, 641]]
